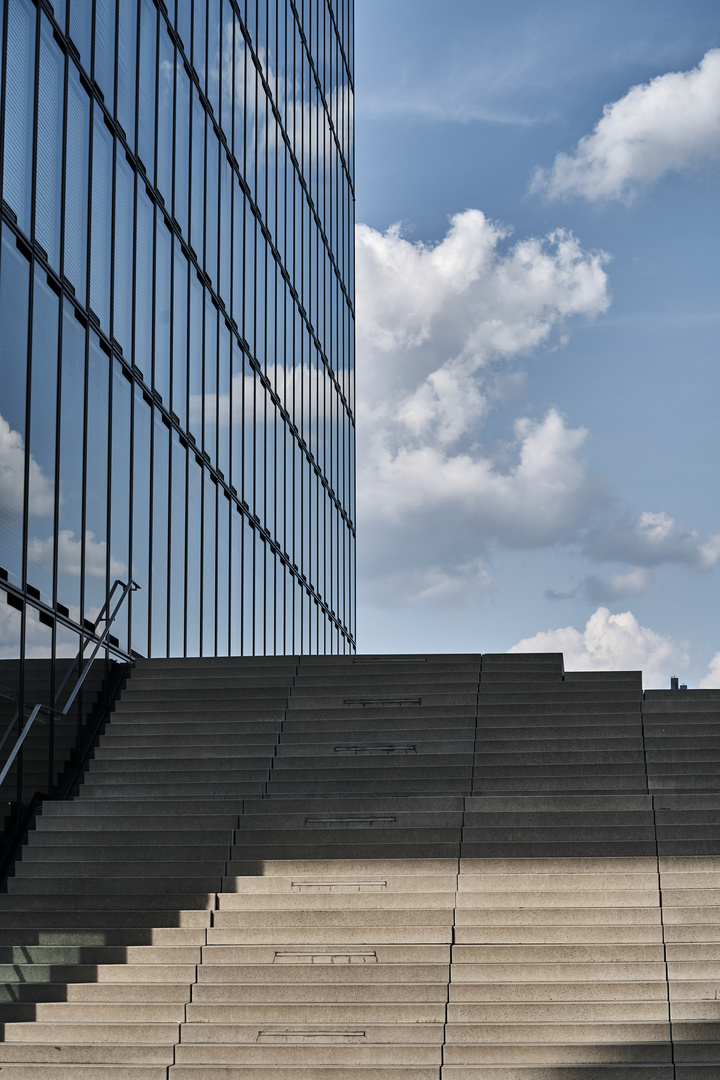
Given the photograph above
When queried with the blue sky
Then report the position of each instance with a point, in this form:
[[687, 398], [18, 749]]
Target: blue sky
[[538, 385]]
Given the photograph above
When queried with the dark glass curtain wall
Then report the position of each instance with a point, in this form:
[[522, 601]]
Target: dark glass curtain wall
[[177, 325]]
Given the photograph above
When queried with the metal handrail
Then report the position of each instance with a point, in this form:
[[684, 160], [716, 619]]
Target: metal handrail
[[131, 586]]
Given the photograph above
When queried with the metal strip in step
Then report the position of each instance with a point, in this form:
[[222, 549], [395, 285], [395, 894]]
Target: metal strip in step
[[349, 822], [375, 748], [325, 957], [374, 885], [389, 660], [300, 1036], [384, 702]]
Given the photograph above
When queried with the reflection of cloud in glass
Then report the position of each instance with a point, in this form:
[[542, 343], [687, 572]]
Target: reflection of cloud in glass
[[69, 555], [12, 473], [9, 631], [303, 118]]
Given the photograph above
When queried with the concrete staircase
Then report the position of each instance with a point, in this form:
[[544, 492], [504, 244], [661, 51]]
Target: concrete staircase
[[416, 867]]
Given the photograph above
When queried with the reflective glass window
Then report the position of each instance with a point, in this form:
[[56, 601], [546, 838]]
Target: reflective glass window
[[176, 596], [144, 282], [248, 589], [180, 334], [159, 546], [182, 144], [197, 220], [19, 105], [41, 439], [72, 429], [123, 259], [120, 493], [212, 205], [101, 222], [76, 183], [14, 289], [127, 68], [105, 49], [223, 399], [97, 425], [210, 493], [146, 86], [210, 377], [235, 583], [213, 54], [48, 178], [223, 576], [163, 307], [194, 549], [197, 308], [141, 521], [81, 29], [166, 95]]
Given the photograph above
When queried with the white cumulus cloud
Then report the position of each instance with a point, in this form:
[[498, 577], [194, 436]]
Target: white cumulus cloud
[[438, 326], [612, 643], [670, 124], [712, 680]]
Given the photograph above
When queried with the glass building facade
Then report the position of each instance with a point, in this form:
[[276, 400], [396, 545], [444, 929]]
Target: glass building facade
[[177, 326]]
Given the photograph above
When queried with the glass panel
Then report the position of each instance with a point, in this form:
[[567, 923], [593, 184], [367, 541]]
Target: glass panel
[[227, 33], [236, 417], [177, 548], [140, 522], [226, 186], [197, 227], [101, 222], [238, 254], [76, 184], [163, 283], [180, 335], [280, 634], [212, 206], [127, 59], [96, 504], [199, 38], [105, 49], [223, 397], [14, 288], [72, 429], [209, 564], [43, 405], [184, 23], [122, 284], [248, 588], [182, 143], [144, 282], [166, 93], [81, 29], [223, 577], [235, 583], [10, 686], [120, 493], [196, 356], [210, 403], [48, 179], [160, 514], [19, 105], [194, 547], [269, 604], [213, 55], [146, 86]]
